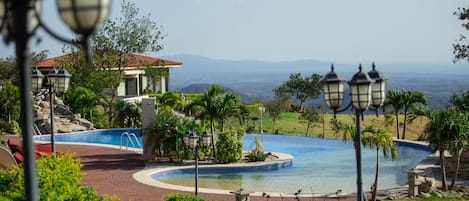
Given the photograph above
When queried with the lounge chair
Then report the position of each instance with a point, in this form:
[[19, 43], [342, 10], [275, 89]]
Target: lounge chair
[[17, 150], [6, 158]]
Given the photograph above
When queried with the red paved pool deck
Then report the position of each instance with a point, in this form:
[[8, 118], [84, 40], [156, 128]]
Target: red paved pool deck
[[110, 172]]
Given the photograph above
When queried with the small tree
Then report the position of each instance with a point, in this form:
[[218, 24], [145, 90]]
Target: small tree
[[273, 109], [309, 117], [301, 88], [379, 139], [395, 100]]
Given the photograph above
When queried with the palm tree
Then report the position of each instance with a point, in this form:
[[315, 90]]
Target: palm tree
[[162, 129], [410, 99], [438, 132], [378, 138], [216, 105], [228, 106], [394, 99], [82, 100]]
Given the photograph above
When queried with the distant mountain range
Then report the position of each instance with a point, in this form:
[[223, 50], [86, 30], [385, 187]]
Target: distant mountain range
[[254, 80]]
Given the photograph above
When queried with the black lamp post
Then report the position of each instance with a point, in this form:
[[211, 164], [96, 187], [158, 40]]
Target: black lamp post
[[192, 141], [19, 20], [57, 82], [363, 91]]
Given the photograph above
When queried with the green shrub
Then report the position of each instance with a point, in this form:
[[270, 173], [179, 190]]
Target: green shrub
[[12, 127], [229, 147], [58, 179], [181, 197], [257, 154]]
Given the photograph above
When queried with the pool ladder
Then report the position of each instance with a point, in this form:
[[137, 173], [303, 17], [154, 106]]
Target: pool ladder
[[129, 137]]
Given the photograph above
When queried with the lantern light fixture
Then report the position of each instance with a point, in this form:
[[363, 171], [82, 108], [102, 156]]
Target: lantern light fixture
[[365, 90]]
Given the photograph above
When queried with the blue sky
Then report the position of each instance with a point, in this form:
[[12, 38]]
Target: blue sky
[[279, 30]]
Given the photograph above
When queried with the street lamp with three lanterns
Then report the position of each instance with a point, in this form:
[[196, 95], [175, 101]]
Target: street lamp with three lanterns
[[19, 20], [57, 82], [365, 90], [191, 140]]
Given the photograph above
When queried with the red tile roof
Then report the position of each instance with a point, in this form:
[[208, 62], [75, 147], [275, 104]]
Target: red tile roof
[[134, 60]]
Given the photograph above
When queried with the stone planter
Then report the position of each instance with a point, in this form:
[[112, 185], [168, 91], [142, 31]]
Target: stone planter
[[425, 187]]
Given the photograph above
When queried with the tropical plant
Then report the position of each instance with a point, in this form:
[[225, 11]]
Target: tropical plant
[[257, 153], [168, 99], [460, 101], [181, 197], [379, 139], [410, 99], [216, 104], [163, 127], [127, 114], [58, 179], [83, 101], [395, 100], [10, 98], [445, 128], [230, 146]]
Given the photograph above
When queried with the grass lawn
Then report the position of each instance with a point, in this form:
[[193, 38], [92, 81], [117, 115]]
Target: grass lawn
[[289, 124]]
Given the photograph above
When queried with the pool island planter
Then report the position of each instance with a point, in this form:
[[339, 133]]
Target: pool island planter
[[145, 176]]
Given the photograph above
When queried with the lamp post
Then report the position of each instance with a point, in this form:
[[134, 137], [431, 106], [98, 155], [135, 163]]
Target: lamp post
[[365, 89], [261, 110], [19, 19], [192, 141], [57, 82]]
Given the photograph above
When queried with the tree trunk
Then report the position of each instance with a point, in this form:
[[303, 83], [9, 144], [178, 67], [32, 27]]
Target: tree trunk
[[405, 123], [375, 184], [307, 130], [397, 125], [443, 171], [456, 172], [323, 127], [273, 126], [212, 129]]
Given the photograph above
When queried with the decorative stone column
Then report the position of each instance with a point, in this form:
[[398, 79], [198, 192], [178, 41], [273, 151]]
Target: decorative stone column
[[413, 182], [148, 113]]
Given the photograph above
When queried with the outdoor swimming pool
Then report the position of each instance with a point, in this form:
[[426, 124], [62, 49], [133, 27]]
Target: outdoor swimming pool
[[100, 136], [319, 165]]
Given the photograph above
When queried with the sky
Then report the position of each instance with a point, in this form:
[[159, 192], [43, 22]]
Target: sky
[[280, 30]]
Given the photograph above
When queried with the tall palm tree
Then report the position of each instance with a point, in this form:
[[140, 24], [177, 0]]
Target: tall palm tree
[[217, 104], [394, 99], [379, 139], [228, 106], [410, 99], [438, 132]]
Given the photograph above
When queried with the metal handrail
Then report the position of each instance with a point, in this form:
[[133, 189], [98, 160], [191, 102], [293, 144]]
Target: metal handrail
[[129, 138]]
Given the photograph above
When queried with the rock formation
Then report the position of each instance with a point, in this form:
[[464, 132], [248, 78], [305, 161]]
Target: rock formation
[[65, 121]]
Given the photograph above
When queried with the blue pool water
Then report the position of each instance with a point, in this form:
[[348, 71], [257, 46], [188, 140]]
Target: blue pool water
[[100, 136], [319, 165]]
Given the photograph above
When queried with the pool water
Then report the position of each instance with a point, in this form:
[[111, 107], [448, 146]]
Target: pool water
[[319, 166], [100, 136]]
